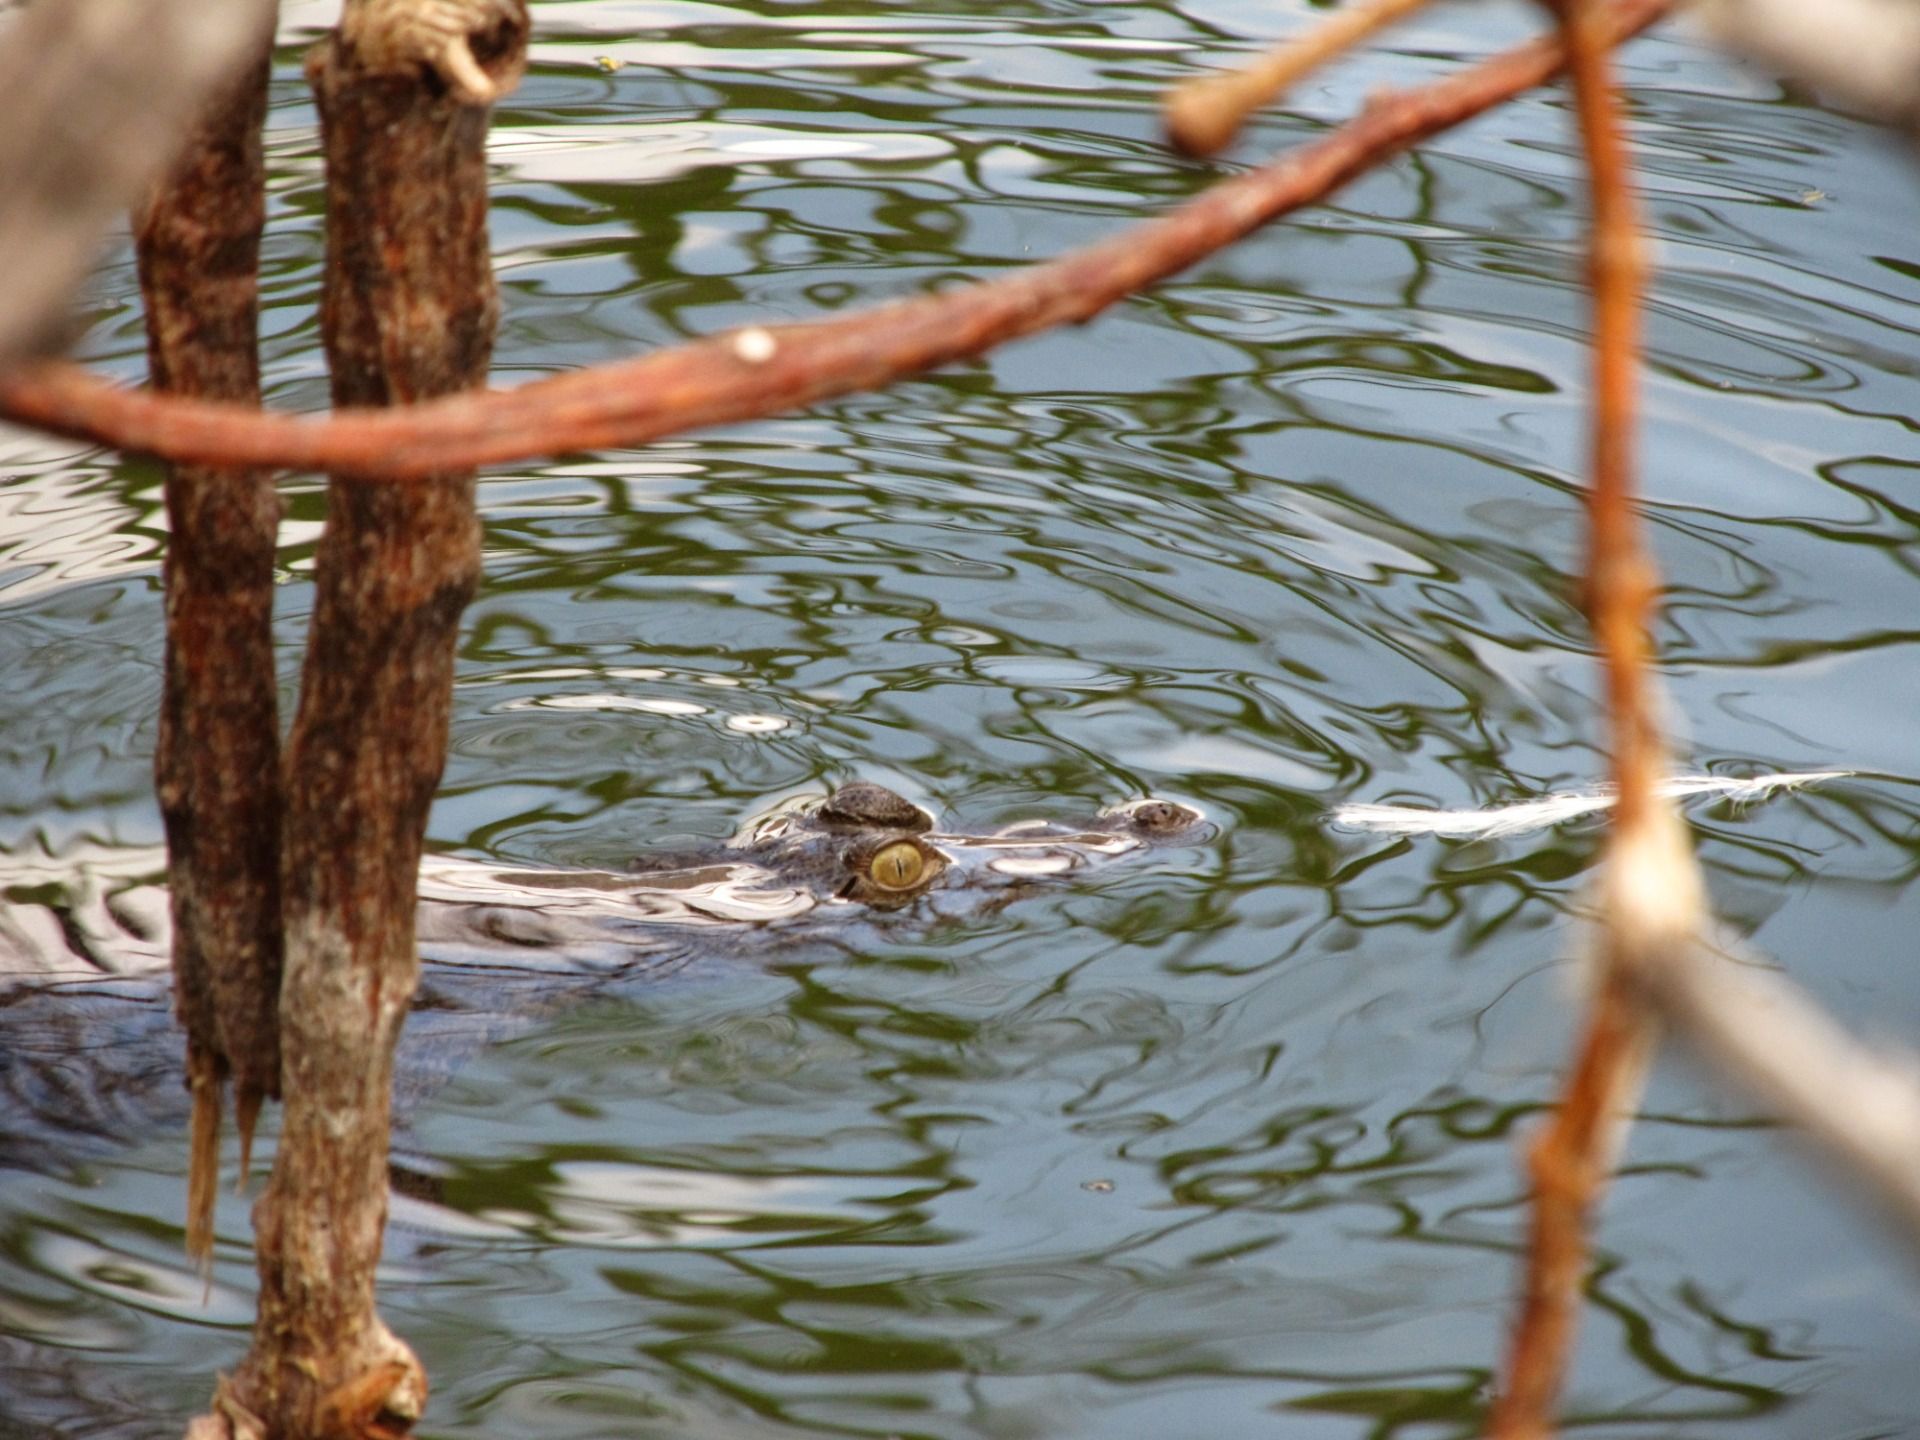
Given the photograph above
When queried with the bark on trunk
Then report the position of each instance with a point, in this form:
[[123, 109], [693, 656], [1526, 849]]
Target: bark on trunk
[[409, 313], [217, 764]]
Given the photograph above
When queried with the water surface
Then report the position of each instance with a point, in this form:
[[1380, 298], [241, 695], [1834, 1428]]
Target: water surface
[[1218, 1143]]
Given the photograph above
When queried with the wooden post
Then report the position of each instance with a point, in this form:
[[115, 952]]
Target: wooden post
[[217, 764], [409, 313]]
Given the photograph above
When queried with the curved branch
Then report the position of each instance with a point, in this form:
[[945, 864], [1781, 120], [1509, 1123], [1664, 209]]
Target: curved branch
[[746, 374]]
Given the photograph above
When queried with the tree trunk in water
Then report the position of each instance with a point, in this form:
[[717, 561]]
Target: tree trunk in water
[[409, 313], [217, 764]]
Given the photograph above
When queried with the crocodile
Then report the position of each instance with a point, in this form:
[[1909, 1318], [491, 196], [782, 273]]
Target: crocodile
[[89, 1050]]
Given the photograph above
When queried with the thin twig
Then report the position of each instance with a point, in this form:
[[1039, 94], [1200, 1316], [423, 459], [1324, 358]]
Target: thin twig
[[1649, 907], [1569, 1165], [751, 373], [1203, 115], [1650, 903]]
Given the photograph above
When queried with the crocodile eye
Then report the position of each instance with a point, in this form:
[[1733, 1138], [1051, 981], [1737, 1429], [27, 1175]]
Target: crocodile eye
[[898, 866]]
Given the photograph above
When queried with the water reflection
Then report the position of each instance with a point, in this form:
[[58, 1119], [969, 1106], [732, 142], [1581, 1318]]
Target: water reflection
[[1220, 1142]]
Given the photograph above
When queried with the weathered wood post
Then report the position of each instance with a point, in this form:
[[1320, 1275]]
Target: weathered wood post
[[409, 313], [216, 767]]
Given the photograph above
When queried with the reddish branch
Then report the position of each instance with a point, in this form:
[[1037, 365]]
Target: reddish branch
[[740, 376], [1204, 115], [1569, 1165], [1649, 890], [1620, 574]]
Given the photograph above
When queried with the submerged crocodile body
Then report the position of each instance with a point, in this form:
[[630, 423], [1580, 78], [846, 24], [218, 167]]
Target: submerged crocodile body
[[88, 1045]]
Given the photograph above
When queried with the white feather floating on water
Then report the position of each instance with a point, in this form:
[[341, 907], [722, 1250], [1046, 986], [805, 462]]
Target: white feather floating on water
[[1550, 810]]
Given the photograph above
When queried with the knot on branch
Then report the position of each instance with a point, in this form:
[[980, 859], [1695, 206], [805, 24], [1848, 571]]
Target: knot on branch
[[476, 47]]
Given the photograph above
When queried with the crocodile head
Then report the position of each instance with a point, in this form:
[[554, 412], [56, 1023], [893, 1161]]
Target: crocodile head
[[866, 844], [862, 845]]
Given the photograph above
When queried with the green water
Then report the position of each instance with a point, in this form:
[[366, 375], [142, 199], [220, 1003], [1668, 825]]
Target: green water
[[1222, 1142]]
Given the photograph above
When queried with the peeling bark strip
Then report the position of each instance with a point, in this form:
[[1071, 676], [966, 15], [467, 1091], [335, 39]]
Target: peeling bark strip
[[409, 313], [217, 764]]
